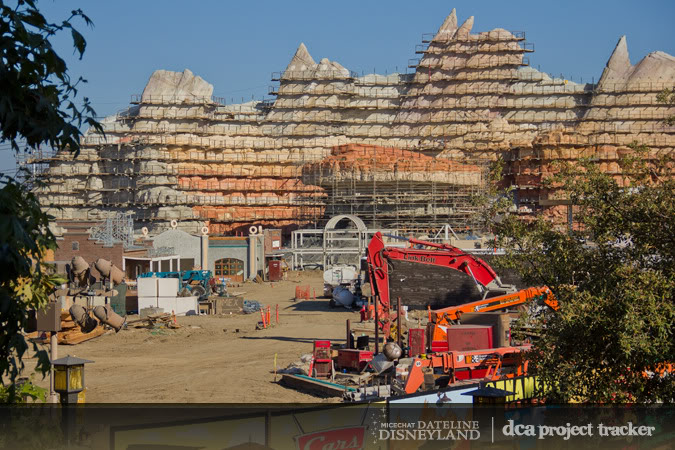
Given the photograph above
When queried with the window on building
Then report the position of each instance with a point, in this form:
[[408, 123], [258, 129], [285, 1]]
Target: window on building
[[76, 245], [230, 268], [187, 263]]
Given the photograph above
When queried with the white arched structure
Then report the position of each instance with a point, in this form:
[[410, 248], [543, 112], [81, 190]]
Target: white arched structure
[[330, 225], [342, 246], [344, 240]]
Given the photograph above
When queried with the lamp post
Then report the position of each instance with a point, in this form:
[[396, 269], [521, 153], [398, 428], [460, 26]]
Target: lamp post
[[69, 378], [489, 404], [49, 319], [489, 395]]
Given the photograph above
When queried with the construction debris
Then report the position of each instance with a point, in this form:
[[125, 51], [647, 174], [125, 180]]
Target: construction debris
[[71, 333], [251, 306], [300, 367], [163, 320]]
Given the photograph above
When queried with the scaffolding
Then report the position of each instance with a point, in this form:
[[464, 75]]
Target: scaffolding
[[425, 142], [118, 228]]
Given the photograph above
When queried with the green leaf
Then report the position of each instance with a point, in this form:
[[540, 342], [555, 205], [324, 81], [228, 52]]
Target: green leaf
[[79, 42]]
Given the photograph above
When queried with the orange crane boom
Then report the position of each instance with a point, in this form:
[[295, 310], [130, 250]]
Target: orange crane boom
[[443, 318]]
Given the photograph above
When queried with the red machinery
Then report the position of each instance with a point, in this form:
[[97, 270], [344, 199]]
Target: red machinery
[[439, 255], [443, 255], [443, 318], [495, 363], [321, 365]]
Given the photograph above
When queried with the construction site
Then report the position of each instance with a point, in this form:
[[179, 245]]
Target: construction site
[[405, 151], [205, 218]]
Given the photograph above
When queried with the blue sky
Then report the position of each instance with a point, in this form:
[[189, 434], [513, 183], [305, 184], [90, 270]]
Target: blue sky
[[237, 45]]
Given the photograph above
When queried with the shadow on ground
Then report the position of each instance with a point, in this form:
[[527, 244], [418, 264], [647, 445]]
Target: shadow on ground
[[291, 339], [313, 305]]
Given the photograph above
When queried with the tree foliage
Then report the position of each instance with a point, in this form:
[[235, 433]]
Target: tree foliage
[[36, 108], [36, 103], [667, 96], [613, 276], [25, 281]]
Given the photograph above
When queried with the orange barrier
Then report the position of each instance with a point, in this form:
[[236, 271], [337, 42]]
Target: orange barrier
[[302, 293]]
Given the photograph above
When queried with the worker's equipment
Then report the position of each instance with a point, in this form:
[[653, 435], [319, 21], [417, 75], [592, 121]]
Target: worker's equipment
[[492, 364], [353, 359], [426, 256], [445, 317], [82, 318], [80, 272], [322, 361], [106, 315], [193, 283], [109, 271]]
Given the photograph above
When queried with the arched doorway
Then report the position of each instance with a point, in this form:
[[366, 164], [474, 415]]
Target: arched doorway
[[344, 241], [231, 268]]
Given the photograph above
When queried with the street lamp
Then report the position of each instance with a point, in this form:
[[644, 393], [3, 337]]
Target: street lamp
[[69, 378]]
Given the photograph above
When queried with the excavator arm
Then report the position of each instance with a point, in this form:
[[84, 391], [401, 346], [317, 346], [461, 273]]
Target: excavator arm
[[451, 313], [443, 318], [442, 255]]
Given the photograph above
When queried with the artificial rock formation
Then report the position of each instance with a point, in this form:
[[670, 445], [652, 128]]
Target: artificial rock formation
[[401, 150], [393, 187]]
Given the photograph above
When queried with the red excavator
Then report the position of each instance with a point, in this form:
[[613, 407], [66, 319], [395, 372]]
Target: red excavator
[[421, 259], [444, 260]]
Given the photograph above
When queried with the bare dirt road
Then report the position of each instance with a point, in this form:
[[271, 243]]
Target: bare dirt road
[[206, 360]]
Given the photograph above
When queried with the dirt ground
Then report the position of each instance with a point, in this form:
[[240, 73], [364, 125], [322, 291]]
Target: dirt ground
[[206, 360]]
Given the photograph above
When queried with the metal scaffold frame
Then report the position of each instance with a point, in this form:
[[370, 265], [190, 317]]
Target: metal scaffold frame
[[116, 229], [468, 102]]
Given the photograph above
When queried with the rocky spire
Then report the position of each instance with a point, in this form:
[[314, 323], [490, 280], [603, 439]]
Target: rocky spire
[[619, 60], [301, 61], [618, 66], [465, 29], [449, 27], [165, 83]]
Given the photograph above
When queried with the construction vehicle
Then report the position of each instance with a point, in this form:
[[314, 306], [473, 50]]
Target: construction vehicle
[[426, 270], [191, 282], [445, 317], [423, 253], [491, 364]]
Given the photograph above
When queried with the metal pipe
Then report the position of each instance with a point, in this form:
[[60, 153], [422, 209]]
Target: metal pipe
[[53, 396], [398, 321], [204, 252], [377, 324], [349, 332]]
